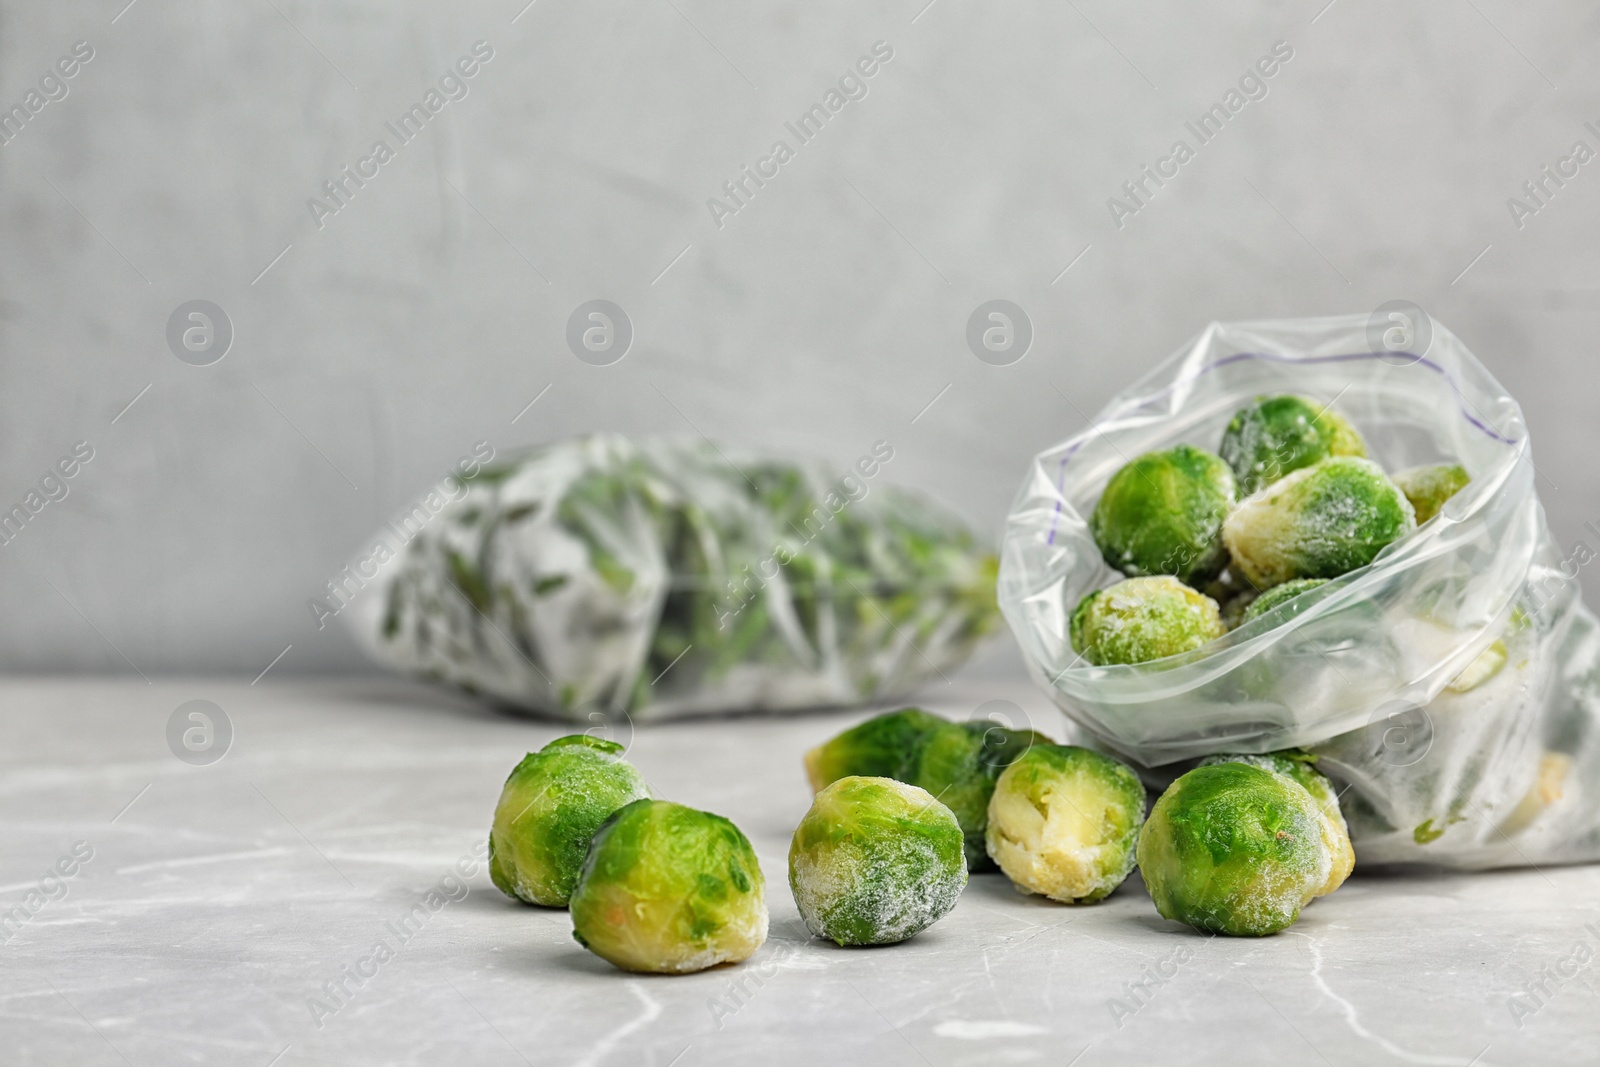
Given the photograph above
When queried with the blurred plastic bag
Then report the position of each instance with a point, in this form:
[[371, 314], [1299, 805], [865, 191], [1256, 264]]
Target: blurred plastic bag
[[597, 576], [1452, 686]]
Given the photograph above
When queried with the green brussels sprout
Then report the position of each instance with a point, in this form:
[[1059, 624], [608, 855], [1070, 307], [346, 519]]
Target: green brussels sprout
[[669, 890], [882, 747], [1279, 434], [1319, 522], [1234, 849], [1280, 594], [1141, 619], [1063, 822], [1300, 767], [1162, 514], [957, 762], [552, 803], [875, 861], [1429, 487]]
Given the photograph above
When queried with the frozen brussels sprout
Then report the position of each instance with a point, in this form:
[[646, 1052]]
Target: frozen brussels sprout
[[1280, 594], [1142, 619], [1234, 849], [875, 861], [1300, 767], [957, 762], [1319, 522], [1279, 434], [882, 747], [1063, 822], [669, 889], [1162, 514], [1429, 487], [1486, 665], [552, 803]]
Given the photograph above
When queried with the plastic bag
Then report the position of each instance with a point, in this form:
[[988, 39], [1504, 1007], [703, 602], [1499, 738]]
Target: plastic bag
[[1451, 687], [595, 576]]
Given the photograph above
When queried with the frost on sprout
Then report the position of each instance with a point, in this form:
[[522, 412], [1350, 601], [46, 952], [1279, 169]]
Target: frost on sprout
[[1299, 768], [1429, 487], [1235, 848], [1141, 619], [1318, 522], [1162, 514], [875, 861], [551, 806], [1278, 435]]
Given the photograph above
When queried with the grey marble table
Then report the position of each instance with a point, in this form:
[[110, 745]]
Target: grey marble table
[[230, 913]]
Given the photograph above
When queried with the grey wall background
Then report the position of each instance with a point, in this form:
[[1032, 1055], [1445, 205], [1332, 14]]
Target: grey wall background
[[825, 315]]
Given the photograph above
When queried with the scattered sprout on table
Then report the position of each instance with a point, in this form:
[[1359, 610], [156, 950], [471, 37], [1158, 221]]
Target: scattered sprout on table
[[1429, 487], [1276, 435], [551, 806], [668, 889], [1064, 821], [875, 861], [1301, 768], [1141, 619], [885, 746], [958, 762], [1318, 522], [1234, 849], [1162, 514]]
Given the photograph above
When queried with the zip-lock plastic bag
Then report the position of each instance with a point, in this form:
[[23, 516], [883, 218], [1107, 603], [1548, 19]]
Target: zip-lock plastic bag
[[1451, 688], [595, 577]]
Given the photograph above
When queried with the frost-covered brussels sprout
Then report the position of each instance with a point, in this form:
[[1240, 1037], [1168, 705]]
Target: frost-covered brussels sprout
[[1280, 594], [1162, 514], [1429, 487], [669, 889], [875, 861], [1234, 849], [1279, 434], [1063, 822], [1319, 522], [882, 747], [552, 803], [957, 762], [1300, 767], [1141, 619]]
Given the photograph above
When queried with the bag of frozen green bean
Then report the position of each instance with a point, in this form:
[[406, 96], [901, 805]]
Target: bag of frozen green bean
[[1447, 679], [598, 576]]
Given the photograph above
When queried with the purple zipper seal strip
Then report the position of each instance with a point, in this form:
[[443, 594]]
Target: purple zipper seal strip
[[1061, 471]]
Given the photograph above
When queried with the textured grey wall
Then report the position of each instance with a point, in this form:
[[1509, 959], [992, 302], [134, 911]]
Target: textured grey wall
[[826, 313]]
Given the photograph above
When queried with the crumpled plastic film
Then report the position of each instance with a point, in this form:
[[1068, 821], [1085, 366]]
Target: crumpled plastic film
[[1451, 687], [598, 576]]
